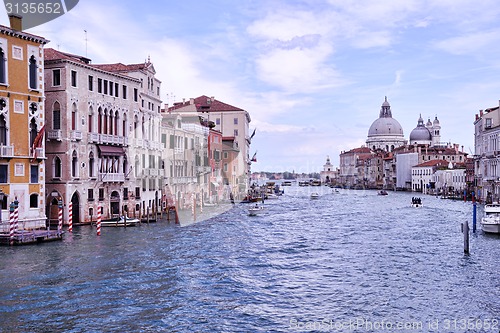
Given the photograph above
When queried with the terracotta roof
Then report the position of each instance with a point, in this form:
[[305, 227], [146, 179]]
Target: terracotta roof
[[436, 163], [119, 67], [7, 30], [51, 54], [206, 104], [360, 150]]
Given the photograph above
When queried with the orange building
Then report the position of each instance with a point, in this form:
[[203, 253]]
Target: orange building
[[22, 164]]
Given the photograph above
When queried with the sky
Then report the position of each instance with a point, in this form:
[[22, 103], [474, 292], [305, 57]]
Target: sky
[[312, 74]]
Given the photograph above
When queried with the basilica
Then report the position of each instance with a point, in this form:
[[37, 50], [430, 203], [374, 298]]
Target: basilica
[[389, 161]]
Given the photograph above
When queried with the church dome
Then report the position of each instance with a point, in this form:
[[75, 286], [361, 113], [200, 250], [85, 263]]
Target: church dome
[[385, 125], [420, 134]]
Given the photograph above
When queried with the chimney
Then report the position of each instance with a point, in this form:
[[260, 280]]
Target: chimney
[[16, 22], [212, 98], [480, 113], [191, 101]]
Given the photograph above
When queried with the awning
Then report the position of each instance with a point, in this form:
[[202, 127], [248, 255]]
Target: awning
[[111, 150]]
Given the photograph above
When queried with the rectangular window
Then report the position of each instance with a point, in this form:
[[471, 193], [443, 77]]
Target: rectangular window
[[90, 194], [111, 85], [236, 121], [19, 169], [125, 193], [34, 174], [225, 155], [73, 78], [105, 86], [99, 86], [4, 173], [116, 89], [164, 140], [91, 83], [235, 132], [101, 194], [225, 167], [56, 77], [217, 121], [56, 119], [136, 95], [124, 92], [137, 192], [18, 107], [17, 52]]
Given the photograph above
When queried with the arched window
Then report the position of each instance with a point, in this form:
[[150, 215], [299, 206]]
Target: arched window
[[74, 117], [34, 200], [125, 165], [116, 123], [110, 122], [143, 129], [3, 76], [74, 164], [33, 72], [33, 131], [136, 126], [91, 120], [91, 164], [56, 116], [124, 125], [3, 131], [99, 121], [105, 125], [57, 167]]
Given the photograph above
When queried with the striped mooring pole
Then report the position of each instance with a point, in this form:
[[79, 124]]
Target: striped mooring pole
[[11, 223], [70, 217], [98, 223], [60, 216], [16, 215]]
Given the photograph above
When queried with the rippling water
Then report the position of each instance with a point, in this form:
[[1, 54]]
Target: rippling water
[[353, 258]]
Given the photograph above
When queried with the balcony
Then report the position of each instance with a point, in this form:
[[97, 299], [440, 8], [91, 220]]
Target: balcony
[[6, 151], [76, 135], [107, 139], [37, 153], [112, 177], [54, 135], [181, 180]]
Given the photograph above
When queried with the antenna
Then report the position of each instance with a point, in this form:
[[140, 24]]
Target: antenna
[[86, 42]]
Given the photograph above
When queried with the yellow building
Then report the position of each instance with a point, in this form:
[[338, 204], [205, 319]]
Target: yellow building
[[22, 155]]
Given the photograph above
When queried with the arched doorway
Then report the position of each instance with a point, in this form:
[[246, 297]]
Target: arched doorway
[[115, 204], [75, 200]]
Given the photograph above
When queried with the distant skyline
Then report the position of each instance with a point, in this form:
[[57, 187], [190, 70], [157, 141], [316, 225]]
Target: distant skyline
[[312, 74]]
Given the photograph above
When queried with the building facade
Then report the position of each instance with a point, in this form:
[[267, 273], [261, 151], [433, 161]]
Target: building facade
[[22, 121]]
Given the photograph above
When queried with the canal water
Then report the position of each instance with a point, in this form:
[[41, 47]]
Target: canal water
[[352, 261]]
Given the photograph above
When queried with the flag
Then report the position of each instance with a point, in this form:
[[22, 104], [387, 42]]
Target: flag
[[37, 143], [254, 157], [251, 136]]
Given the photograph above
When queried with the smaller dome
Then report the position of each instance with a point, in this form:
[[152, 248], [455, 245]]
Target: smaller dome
[[420, 134], [436, 121], [429, 123]]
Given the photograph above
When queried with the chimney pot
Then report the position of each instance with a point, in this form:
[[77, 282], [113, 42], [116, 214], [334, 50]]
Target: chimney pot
[[16, 22]]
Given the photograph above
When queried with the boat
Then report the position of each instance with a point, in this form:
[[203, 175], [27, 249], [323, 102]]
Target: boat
[[120, 222], [416, 202], [382, 192], [286, 183], [314, 195], [490, 222], [315, 182], [255, 210]]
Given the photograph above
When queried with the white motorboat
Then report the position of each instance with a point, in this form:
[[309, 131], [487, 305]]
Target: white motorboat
[[255, 210], [417, 205], [490, 222], [120, 222], [314, 195]]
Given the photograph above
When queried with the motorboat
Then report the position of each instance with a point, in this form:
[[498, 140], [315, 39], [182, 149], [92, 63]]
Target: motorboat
[[120, 222], [314, 195], [286, 183], [490, 222], [382, 192], [255, 210], [416, 202]]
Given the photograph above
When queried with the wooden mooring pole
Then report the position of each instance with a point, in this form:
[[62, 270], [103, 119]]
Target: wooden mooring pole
[[474, 210], [465, 231]]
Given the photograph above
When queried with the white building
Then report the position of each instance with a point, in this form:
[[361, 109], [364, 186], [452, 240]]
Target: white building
[[404, 164]]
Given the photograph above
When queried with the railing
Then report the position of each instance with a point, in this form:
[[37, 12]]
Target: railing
[[6, 151], [37, 153], [107, 139], [112, 177], [181, 180], [54, 135], [76, 135]]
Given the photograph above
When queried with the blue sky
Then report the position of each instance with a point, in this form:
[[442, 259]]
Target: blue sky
[[312, 74]]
